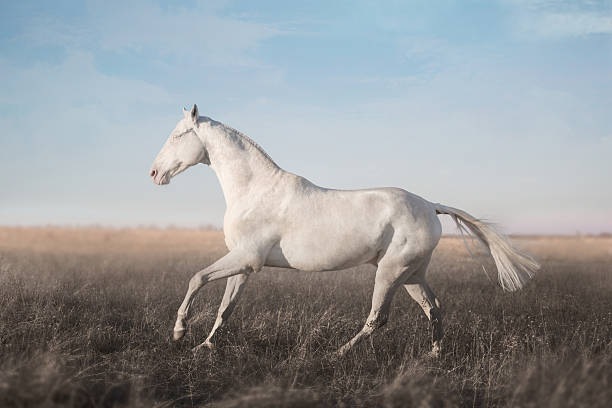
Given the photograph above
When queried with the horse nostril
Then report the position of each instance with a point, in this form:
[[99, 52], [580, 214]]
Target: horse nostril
[[153, 173]]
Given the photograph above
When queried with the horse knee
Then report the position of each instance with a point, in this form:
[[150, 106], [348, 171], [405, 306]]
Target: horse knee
[[196, 281]]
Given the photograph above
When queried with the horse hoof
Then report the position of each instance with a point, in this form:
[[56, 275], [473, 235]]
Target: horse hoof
[[206, 345], [178, 334]]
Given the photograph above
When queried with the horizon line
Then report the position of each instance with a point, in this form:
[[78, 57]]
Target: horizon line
[[213, 227]]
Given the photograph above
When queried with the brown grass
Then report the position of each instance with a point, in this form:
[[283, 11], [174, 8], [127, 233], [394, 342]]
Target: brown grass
[[86, 318]]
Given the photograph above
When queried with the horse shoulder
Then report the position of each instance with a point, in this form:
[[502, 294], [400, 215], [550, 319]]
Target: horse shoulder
[[260, 214]]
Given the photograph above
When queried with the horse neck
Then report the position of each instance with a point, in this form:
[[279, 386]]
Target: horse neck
[[241, 165]]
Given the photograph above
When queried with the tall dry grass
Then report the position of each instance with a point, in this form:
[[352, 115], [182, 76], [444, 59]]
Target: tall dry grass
[[86, 318]]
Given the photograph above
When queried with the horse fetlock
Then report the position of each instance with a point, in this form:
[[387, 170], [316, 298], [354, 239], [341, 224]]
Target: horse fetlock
[[179, 327], [436, 350], [178, 334], [342, 351], [206, 345]]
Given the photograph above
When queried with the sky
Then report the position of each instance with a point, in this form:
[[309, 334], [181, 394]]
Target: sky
[[500, 108]]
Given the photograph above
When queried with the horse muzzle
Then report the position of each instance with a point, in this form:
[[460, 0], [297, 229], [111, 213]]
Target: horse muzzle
[[158, 177]]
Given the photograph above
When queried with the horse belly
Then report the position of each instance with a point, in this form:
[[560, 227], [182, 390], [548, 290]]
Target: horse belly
[[324, 251]]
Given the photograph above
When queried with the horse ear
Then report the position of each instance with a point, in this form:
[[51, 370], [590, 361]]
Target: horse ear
[[194, 115], [185, 113]]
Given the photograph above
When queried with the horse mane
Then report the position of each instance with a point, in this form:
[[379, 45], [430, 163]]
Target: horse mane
[[241, 136]]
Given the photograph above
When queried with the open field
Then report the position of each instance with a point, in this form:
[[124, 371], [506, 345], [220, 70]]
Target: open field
[[86, 319]]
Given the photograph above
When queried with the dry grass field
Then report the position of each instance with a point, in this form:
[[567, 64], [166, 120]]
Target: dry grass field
[[86, 319]]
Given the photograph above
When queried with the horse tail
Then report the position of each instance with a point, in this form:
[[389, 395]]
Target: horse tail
[[514, 268]]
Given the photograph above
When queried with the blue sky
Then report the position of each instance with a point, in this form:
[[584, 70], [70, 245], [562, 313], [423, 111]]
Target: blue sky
[[501, 108]]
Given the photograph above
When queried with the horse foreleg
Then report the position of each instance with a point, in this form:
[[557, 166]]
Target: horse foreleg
[[233, 263], [233, 289], [424, 296]]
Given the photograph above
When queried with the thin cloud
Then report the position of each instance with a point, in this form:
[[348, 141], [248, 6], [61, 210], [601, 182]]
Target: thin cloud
[[559, 25], [560, 19], [74, 82], [196, 36]]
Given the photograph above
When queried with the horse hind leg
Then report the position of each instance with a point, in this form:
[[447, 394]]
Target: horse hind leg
[[420, 291], [388, 279]]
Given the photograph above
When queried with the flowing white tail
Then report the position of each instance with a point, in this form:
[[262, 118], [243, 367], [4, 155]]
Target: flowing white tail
[[513, 268]]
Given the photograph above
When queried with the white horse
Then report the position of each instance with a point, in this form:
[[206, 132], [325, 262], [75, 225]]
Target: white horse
[[276, 218]]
